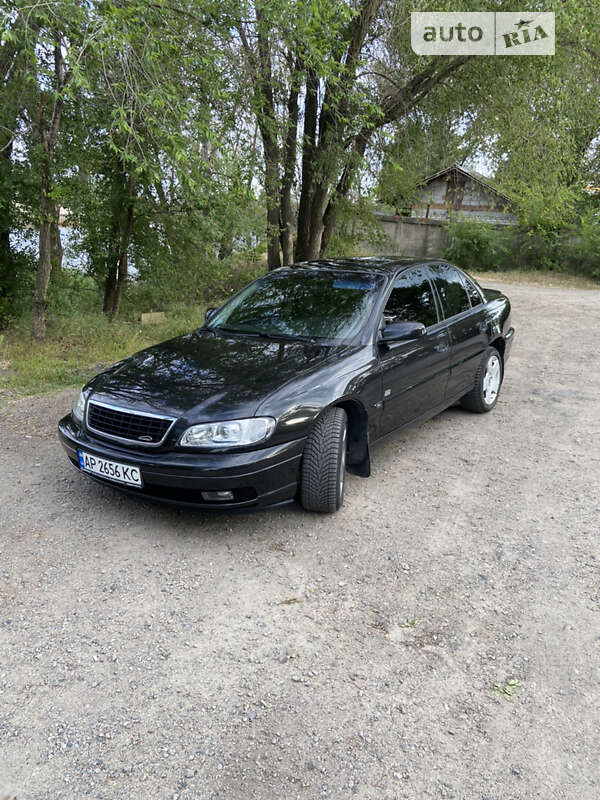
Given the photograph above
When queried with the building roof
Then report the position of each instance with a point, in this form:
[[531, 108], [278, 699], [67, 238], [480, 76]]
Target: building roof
[[467, 173]]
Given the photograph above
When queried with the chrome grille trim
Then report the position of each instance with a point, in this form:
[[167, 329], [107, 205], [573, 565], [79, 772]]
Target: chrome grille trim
[[133, 413]]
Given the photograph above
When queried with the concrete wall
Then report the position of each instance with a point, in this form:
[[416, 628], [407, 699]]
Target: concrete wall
[[413, 237]]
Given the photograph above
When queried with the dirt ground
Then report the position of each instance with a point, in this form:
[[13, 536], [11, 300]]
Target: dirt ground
[[438, 638]]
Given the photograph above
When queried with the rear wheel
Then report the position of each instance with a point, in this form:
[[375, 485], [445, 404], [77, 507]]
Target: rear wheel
[[324, 463], [488, 380]]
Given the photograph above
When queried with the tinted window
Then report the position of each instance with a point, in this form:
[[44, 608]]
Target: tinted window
[[451, 290], [473, 292], [412, 300], [301, 303]]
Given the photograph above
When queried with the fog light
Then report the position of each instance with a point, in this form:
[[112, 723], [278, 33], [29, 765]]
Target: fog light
[[217, 496]]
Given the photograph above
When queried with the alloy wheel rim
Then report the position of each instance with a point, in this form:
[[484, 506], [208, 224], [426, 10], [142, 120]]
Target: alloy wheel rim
[[491, 380]]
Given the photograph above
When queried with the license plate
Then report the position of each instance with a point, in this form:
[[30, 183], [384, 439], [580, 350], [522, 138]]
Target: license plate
[[111, 470]]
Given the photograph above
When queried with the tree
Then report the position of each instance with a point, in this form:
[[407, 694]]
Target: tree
[[422, 144], [153, 84], [48, 41], [326, 77], [19, 34], [316, 61], [46, 125], [117, 95]]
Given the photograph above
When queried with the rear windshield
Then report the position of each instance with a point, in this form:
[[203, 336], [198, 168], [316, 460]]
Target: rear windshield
[[301, 304]]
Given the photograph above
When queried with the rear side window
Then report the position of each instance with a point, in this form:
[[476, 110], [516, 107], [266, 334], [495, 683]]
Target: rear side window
[[451, 290], [473, 292], [412, 300]]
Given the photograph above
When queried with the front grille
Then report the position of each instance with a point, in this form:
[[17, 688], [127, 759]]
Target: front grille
[[144, 429]]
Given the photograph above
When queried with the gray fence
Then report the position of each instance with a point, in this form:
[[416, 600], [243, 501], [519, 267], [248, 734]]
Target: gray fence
[[414, 237]]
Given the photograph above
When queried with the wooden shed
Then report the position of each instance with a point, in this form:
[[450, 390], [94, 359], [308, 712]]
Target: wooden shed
[[457, 190]]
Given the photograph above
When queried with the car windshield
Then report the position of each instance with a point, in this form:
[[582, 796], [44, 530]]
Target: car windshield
[[301, 304]]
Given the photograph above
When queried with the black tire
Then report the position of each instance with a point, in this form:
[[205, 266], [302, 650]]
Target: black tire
[[478, 399], [324, 463]]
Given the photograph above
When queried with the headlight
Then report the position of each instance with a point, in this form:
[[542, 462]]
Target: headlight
[[79, 407], [232, 433]]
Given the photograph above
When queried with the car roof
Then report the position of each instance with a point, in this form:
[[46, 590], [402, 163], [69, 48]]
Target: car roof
[[380, 264]]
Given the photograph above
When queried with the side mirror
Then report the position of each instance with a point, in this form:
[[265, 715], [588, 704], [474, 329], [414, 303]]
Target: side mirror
[[401, 331], [209, 312]]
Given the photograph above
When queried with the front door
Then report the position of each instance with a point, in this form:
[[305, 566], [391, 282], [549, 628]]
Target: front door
[[414, 372]]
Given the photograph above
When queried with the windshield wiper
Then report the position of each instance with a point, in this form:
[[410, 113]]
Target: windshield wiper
[[235, 331], [264, 334]]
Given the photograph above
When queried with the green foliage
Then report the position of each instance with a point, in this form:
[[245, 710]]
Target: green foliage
[[17, 276], [159, 112], [475, 245], [583, 249], [358, 232], [421, 146], [508, 689], [479, 246], [72, 292], [200, 280]]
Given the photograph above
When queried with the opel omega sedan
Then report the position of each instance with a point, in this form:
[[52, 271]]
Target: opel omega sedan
[[290, 383]]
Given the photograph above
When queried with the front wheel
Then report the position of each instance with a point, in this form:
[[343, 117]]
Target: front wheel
[[488, 380], [324, 463]]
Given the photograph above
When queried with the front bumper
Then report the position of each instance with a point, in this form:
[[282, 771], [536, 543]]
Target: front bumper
[[257, 478]]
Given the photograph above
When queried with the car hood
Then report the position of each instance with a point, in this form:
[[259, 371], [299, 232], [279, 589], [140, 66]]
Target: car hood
[[202, 375]]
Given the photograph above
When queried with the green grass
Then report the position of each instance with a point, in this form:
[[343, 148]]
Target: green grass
[[78, 346]]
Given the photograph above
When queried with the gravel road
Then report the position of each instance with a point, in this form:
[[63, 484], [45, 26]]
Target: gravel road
[[438, 638]]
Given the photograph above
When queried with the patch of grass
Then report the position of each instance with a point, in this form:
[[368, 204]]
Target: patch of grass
[[508, 689], [546, 279], [78, 346]]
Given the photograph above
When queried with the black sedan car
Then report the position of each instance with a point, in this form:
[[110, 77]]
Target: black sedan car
[[291, 382]]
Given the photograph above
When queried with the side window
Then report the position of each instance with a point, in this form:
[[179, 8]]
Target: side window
[[473, 292], [451, 290], [411, 300]]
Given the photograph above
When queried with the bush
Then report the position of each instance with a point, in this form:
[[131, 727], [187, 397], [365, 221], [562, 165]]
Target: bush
[[583, 248], [357, 232], [480, 246], [71, 291], [475, 245], [17, 279]]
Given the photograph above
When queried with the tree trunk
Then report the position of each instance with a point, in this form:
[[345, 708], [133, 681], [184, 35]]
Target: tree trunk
[[308, 155], [48, 134], [343, 187], [56, 250], [272, 196], [45, 258], [110, 287], [7, 259], [50, 255], [267, 123], [120, 238], [289, 166], [122, 262]]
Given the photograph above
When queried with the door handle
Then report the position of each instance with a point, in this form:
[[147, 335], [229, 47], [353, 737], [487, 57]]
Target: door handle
[[442, 347]]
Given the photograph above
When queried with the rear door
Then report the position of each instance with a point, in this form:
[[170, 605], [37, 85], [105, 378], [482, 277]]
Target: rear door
[[414, 372], [464, 311]]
